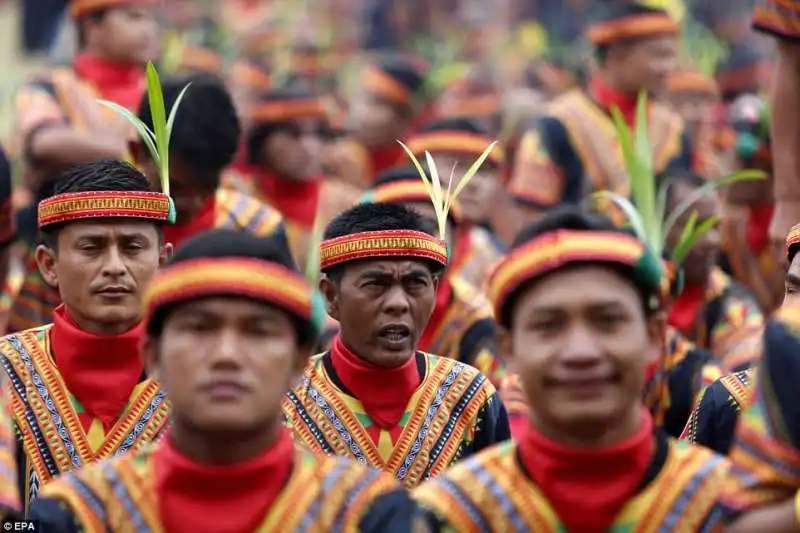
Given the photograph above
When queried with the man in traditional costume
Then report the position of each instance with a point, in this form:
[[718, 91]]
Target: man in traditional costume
[[374, 396], [79, 390], [764, 481], [713, 311], [461, 326], [574, 150], [584, 337], [455, 144], [781, 19], [713, 421], [60, 123], [230, 324], [203, 142]]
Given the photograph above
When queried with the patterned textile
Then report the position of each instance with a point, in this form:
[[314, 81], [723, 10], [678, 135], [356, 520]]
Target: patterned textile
[[238, 211], [574, 151], [492, 492], [467, 332], [689, 371], [35, 301], [766, 448], [713, 422], [778, 17], [454, 413], [48, 420], [120, 496], [9, 485], [483, 253]]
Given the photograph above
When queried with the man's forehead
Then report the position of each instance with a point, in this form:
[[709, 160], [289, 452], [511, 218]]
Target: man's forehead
[[107, 228], [389, 266]]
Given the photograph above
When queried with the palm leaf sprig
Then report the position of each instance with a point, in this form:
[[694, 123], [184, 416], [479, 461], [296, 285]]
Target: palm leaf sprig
[[157, 139], [646, 210], [441, 198]]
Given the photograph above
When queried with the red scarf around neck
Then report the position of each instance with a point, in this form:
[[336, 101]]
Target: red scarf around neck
[[123, 83], [686, 309], [202, 221], [100, 371], [384, 392], [588, 488], [296, 200], [608, 97], [234, 498], [758, 227]]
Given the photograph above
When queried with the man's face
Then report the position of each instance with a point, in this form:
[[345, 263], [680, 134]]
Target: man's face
[[791, 295], [705, 253], [646, 64], [127, 33], [227, 363], [697, 110], [382, 308], [581, 345], [102, 269], [376, 121], [295, 152]]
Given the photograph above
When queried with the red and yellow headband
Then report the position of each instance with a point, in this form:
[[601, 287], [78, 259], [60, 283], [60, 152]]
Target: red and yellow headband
[[688, 81], [233, 276], [555, 250], [72, 207], [455, 143], [382, 244], [80, 8], [410, 190], [632, 27], [385, 86], [793, 238], [275, 111]]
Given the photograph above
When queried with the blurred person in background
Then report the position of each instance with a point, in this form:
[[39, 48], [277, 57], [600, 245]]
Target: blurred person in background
[[60, 124]]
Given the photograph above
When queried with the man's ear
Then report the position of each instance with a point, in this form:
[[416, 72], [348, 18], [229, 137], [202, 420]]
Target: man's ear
[[149, 352], [331, 293], [165, 253], [46, 261]]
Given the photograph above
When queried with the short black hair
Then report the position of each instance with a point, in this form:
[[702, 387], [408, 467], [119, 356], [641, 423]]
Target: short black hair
[[574, 218], [687, 178], [111, 175], [220, 243], [397, 174], [377, 217], [791, 251], [206, 129]]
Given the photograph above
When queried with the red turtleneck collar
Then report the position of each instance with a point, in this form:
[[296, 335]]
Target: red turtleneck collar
[[225, 499], [123, 83], [100, 371], [384, 392], [686, 308], [296, 200], [588, 488], [758, 227], [608, 97], [202, 221]]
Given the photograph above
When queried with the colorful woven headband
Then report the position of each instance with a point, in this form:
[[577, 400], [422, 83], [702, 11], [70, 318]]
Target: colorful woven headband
[[410, 190], [287, 110], [81, 8], [382, 244], [692, 82], [234, 276], [456, 143], [71, 207], [793, 238], [632, 27], [554, 250], [385, 86]]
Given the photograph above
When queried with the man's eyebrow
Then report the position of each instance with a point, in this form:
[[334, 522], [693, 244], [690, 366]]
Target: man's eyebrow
[[792, 279]]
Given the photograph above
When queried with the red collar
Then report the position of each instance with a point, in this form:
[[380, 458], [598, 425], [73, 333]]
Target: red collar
[[758, 227], [588, 488], [123, 83], [686, 309], [101, 372], [202, 221], [608, 97], [384, 392], [296, 200], [240, 497]]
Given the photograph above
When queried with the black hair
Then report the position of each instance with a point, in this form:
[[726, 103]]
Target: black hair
[[206, 129], [791, 251], [96, 17], [377, 217], [459, 124], [109, 175], [570, 217], [410, 73], [260, 131], [222, 243], [687, 178]]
